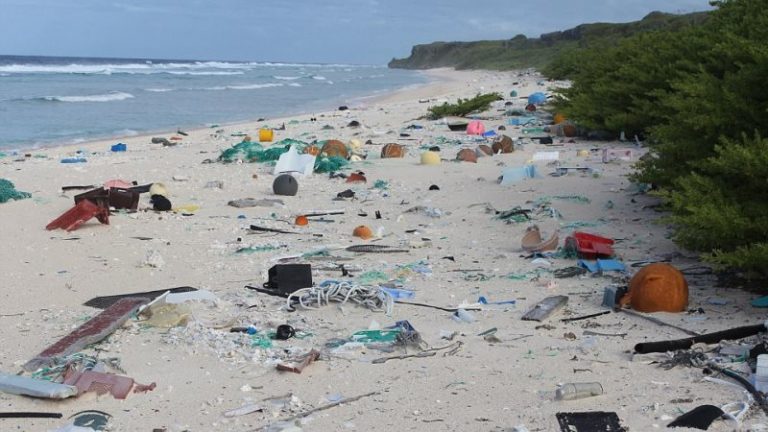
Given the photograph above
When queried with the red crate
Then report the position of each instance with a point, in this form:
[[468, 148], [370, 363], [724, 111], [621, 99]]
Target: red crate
[[589, 246], [78, 215]]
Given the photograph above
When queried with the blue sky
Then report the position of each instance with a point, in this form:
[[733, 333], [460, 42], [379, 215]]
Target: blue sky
[[328, 31]]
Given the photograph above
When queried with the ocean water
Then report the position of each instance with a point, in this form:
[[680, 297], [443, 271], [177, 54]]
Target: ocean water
[[48, 101]]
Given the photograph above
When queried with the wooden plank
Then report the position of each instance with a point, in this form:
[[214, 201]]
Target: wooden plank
[[94, 330], [543, 309]]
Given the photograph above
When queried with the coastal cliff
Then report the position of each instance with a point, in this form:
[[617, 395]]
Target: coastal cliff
[[523, 52]]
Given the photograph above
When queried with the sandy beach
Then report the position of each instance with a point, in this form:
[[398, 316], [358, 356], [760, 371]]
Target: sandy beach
[[456, 251]]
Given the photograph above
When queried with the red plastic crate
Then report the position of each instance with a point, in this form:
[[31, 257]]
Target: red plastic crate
[[78, 215], [590, 246]]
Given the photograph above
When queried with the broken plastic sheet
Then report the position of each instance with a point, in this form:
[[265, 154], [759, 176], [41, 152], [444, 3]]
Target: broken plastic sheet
[[546, 156], [292, 162]]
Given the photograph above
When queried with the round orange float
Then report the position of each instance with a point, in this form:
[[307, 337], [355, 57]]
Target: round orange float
[[301, 220], [363, 232]]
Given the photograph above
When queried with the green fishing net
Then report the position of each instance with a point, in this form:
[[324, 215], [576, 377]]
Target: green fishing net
[[8, 192], [250, 151], [330, 164]]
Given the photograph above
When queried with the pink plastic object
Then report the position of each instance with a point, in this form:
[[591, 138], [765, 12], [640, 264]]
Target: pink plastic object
[[117, 183], [78, 215], [475, 127], [101, 383], [589, 246]]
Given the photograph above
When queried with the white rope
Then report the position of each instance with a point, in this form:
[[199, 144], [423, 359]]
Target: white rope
[[735, 410], [371, 297]]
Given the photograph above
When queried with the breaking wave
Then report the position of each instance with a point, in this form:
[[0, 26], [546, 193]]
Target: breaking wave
[[107, 97]]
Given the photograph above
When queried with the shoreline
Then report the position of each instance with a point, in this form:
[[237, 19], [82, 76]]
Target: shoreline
[[435, 79]]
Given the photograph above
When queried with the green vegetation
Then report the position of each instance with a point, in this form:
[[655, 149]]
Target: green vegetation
[[462, 107], [521, 52], [698, 94]]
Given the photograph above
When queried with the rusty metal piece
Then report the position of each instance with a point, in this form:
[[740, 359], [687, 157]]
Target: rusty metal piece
[[309, 358]]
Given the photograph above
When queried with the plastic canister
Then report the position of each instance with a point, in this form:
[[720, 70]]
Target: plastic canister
[[761, 373], [266, 135]]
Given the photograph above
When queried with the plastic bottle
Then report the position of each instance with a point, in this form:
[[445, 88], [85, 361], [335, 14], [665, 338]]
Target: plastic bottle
[[572, 391]]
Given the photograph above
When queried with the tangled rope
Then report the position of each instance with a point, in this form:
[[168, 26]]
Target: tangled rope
[[371, 297]]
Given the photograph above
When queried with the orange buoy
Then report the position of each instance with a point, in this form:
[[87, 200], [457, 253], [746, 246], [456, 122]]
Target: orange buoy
[[363, 232], [301, 220]]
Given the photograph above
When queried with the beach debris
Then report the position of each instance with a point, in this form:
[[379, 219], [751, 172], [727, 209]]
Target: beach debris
[[30, 414], [153, 259], [589, 246], [612, 155], [285, 184], [543, 309], [107, 301], [374, 249], [101, 383], [602, 265], [657, 287], [372, 297], [466, 155], [82, 212], [161, 140], [214, 184], [74, 160], [285, 279], [357, 177], [583, 317], [92, 331], [244, 410], [430, 158], [8, 192], [589, 421], [334, 148], [325, 407], [700, 417], [514, 175], [709, 338], [297, 366], [571, 391], [450, 349], [253, 202], [119, 147], [546, 156], [256, 228], [266, 135], [25, 386], [295, 163], [475, 127], [97, 420], [532, 241], [393, 150], [363, 231]]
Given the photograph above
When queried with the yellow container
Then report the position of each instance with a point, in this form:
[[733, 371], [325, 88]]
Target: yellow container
[[430, 158], [265, 135], [559, 118]]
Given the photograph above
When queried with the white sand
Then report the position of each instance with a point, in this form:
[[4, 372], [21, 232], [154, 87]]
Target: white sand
[[483, 387]]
